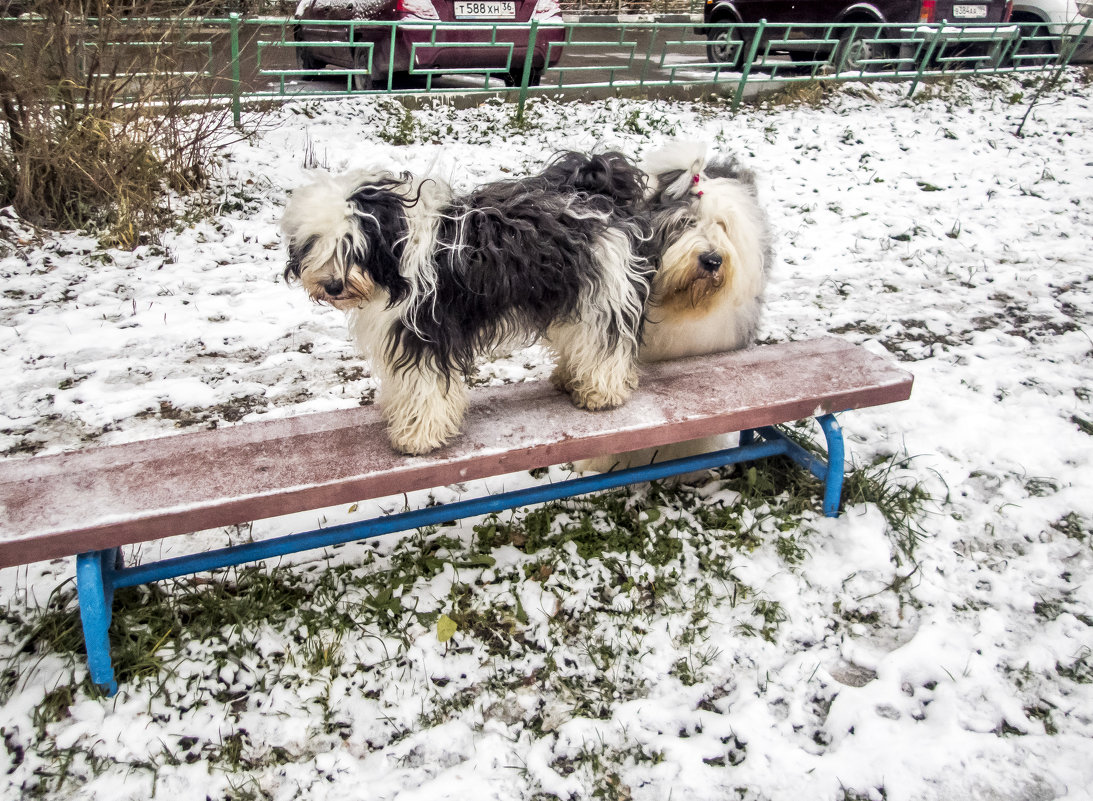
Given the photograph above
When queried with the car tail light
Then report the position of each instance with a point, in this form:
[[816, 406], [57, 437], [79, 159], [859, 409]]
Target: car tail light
[[1008, 12], [928, 12]]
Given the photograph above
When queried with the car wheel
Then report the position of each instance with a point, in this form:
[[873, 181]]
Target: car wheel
[[306, 61], [305, 58], [363, 81], [727, 46], [1030, 45], [516, 77], [855, 48]]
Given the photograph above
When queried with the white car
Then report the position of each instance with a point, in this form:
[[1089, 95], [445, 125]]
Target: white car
[[1060, 18]]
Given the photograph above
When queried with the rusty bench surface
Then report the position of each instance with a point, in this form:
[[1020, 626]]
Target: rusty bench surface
[[101, 497]]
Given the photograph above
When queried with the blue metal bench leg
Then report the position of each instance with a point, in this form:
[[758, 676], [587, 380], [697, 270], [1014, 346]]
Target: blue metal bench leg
[[833, 481], [829, 472], [94, 583]]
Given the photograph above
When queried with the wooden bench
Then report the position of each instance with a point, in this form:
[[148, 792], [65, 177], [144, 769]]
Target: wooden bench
[[90, 502]]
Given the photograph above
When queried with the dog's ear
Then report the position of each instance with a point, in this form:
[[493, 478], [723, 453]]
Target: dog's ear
[[380, 241], [726, 165], [675, 168], [297, 252]]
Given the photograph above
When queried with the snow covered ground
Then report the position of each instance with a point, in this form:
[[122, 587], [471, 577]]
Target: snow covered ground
[[733, 659]]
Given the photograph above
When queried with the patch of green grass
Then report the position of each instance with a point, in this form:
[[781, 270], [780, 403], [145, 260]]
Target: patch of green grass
[[499, 626], [854, 615], [901, 499], [1080, 670], [794, 494], [1085, 426], [1072, 525], [246, 788], [1048, 610], [400, 127], [597, 764], [607, 567], [1043, 713], [645, 122], [54, 707], [691, 668], [612, 522], [854, 795], [790, 549]]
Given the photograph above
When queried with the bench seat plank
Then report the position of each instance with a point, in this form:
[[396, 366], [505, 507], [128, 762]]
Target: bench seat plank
[[101, 497]]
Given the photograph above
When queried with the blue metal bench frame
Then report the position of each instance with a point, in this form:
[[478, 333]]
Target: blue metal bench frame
[[99, 573]]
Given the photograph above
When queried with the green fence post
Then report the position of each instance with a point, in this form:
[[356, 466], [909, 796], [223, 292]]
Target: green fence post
[[391, 58], [236, 88], [924, 62], [1073, 46], [533, 33], [746, 71], [648, 56]]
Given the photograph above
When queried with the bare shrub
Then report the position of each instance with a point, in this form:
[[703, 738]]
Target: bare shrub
[[106, 110]]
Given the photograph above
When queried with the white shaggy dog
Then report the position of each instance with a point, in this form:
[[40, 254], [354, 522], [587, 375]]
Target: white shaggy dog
[[714, 246]]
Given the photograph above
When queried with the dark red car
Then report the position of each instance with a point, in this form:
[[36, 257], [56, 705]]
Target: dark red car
[[416, 44], [854, 48]]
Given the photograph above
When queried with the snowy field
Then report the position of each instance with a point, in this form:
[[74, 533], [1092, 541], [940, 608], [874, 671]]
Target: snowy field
[[717, 649]]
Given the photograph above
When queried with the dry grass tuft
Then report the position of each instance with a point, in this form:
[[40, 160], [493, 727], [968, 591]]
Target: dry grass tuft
[[105, 112]]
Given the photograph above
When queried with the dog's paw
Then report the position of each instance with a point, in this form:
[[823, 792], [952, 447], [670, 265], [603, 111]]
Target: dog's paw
[[421, 413], [422, 434], [415, 443], [598, 399], [561, 379]]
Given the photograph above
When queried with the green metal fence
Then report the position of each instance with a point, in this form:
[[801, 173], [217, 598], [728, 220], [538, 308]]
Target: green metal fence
[[636, 55], [262, 59], [592, 7]]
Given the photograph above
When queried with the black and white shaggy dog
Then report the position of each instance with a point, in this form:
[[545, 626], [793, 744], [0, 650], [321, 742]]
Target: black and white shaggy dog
[[712, 249], [432, 280]]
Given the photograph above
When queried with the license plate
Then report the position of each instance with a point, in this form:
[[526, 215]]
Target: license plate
[[486, 9], [967, 12]]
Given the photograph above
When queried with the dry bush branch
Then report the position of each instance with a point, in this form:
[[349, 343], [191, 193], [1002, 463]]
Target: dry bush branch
[[106, 111]]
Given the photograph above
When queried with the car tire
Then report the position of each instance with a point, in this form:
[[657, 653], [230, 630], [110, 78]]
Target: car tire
[[1035, 47], [855, 47], [305, 59], [516, 77], [363, 81], [722, 46]]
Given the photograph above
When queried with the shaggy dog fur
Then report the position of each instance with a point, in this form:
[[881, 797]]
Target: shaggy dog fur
[[713, 255], [432, 280]]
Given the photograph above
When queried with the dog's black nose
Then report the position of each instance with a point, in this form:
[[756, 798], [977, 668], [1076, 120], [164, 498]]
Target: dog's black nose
[[334, 287], [710, 261]]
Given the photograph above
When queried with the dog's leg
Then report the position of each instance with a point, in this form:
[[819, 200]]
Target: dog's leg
[[604, 382], [597, 352], [560, 377], [596, 374], [423, 409]]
